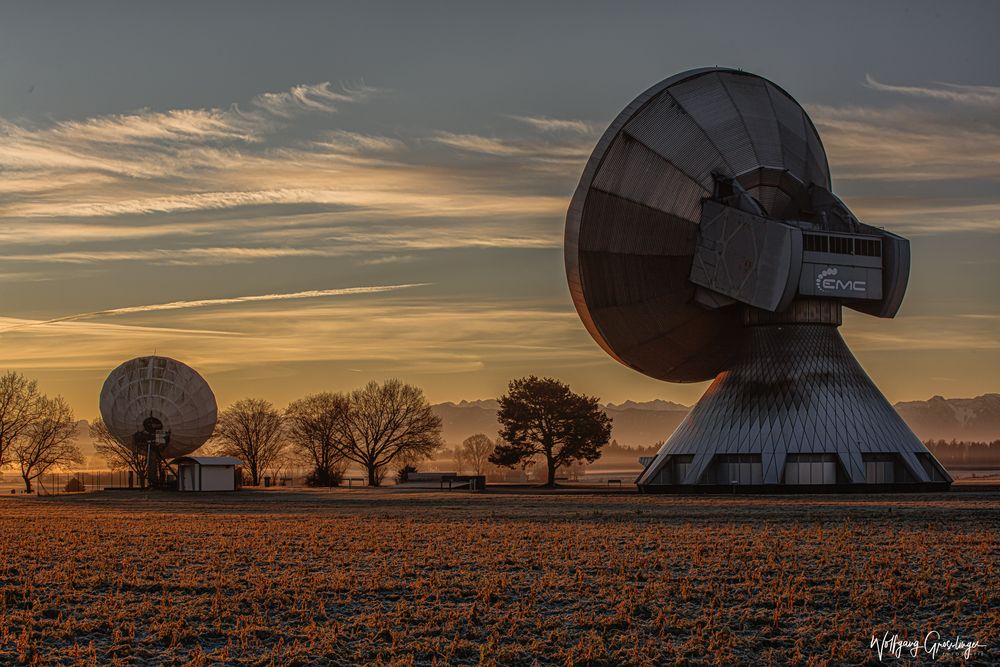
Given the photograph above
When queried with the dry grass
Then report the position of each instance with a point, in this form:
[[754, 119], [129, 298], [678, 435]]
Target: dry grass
[[390, 577]]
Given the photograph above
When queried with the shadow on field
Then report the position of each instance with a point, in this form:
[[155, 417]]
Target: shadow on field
[[511, 502]]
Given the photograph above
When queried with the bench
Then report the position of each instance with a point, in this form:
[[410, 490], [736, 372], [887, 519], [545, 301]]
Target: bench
[[412, 476]]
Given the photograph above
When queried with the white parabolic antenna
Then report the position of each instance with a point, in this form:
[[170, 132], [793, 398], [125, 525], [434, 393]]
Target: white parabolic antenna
[[166, 390]]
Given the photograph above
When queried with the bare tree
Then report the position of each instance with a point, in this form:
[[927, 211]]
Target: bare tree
[[252, 430], [314, 425], [458, 456], [286, 462], [476, 450], [19, 404], [117, 454], [47, 442], [388, 422]]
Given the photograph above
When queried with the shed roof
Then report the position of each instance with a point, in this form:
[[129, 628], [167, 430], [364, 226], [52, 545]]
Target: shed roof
[[210, 460]]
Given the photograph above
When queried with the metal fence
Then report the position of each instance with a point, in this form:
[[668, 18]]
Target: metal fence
[[69, 482], [65, 482]]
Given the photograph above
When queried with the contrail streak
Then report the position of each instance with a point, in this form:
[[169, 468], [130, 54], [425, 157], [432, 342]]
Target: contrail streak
[[201, 303]]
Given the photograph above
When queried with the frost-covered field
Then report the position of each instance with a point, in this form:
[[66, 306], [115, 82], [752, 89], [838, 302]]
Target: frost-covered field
[[394, 577]]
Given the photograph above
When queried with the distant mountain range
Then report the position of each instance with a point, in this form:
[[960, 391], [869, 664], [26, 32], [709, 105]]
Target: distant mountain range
[[959, 418], [635, 424], [640, 424]]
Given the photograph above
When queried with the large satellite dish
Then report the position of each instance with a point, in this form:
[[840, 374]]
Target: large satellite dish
[[160, 405], [704, 241]]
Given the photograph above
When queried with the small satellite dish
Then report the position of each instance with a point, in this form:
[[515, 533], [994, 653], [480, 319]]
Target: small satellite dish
[[159, 405], [704, 241]]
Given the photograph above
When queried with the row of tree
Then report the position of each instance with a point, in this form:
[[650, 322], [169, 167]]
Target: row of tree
[[960, 452], [36, 432], [392, 424], [374, 427]]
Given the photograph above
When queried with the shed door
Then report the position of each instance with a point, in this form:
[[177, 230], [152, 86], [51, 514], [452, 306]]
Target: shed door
[[191, 475]]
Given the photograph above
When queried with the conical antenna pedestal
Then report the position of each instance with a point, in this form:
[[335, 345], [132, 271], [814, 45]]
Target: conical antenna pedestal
[[796, 411]]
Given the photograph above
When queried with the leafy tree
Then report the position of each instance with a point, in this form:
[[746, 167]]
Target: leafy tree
[[47, 441], [20, 402], [543, 417], [388, 422], [410, 461], [315, 425], [326, 478], [118, 455], [403, 472], [476, 451], [252, 430]]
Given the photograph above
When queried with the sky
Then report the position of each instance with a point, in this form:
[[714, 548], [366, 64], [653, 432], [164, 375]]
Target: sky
[[297, 197]]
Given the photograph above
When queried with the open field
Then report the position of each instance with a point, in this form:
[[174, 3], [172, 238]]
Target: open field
[[410, 577]]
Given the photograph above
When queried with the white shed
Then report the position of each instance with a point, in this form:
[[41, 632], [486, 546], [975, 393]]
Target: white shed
[[208, 473]]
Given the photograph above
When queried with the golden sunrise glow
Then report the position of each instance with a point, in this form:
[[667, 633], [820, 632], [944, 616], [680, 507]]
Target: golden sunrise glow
[[279, 195]]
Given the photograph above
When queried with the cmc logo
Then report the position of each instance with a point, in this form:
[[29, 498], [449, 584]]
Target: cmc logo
[[827, 282]]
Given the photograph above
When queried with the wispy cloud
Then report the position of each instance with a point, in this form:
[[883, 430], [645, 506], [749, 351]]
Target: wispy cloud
[[946, 133], [317, 97], [927, 215], [388, 259], [250, 183], [962, 94], [478, 144], [201, 161], [25, 276], [523, 147], [353, 143], [205, 303], [303, 236], [202, 201], [71, 328], [907, 144], [559, 124], [57, 232], [414, 335], [148, 144], [955, 339], [145, 126], [171, 257], [921, 332]]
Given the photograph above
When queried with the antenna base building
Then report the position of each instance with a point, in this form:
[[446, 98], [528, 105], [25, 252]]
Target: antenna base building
[[796, 412]]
